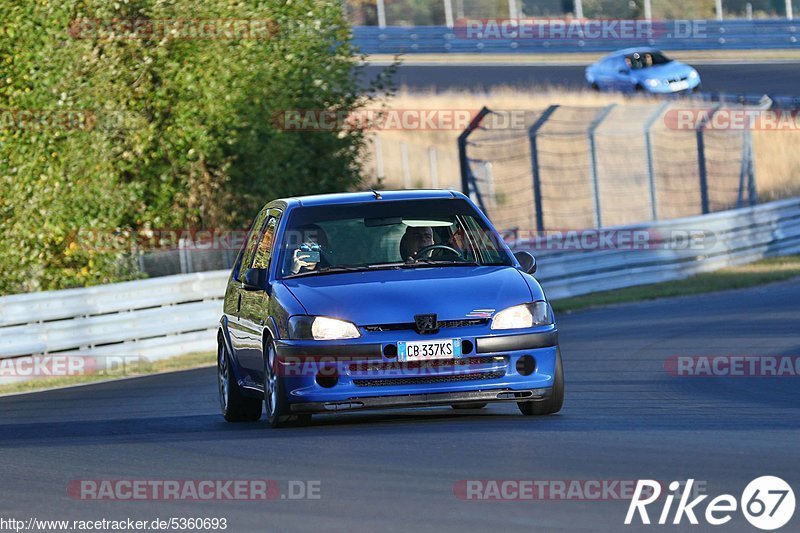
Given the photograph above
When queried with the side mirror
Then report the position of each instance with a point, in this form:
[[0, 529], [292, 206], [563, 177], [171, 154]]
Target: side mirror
[[254, 279], [526, 261]]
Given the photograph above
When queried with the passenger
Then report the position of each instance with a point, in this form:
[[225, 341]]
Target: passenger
[[315, 239]]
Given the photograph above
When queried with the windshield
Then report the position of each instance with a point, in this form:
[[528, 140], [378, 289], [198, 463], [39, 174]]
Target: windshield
[[398, 234], [642, 60]]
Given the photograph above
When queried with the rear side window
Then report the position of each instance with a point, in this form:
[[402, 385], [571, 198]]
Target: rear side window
[[252, 240], [265, 243]]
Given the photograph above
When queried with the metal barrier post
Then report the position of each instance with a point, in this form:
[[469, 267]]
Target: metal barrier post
[[537, 182], [752, 192], [462, 150], [651, 172], [701, 159], [598, 217]]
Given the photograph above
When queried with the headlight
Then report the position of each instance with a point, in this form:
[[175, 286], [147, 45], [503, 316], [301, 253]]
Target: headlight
[[693, 75], [523, 316], [321, 328], [654, 83]]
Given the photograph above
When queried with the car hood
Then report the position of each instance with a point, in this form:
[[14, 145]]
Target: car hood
[[395, 296], [672, 69]]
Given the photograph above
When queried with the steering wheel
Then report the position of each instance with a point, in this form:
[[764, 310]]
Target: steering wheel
[[431, 248]]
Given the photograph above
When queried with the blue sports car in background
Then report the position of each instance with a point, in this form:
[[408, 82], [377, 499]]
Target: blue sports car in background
[[642, 70], [382, 299]]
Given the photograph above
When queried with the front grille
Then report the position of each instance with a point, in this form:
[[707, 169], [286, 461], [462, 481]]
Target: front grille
[[395, 366], [462, 323], [388, 382]]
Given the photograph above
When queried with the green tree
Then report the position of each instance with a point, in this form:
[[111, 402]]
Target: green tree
[[168, 131]]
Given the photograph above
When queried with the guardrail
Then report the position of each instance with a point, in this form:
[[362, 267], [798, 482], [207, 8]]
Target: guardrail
[[156, 318], [175, 315], [713, 35]]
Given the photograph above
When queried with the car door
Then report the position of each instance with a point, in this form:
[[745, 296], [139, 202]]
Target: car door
[[254, 310], [236, 292]]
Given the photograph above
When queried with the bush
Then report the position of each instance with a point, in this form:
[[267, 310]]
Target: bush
[[158, 132]]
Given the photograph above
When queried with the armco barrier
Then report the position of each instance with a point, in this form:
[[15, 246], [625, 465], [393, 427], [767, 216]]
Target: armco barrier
[[712, 35], [175, 315]]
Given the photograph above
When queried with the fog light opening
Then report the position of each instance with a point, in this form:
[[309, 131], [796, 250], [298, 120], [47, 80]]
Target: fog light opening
[[390, 351], [466, 347], [327, 378], [526, 365]]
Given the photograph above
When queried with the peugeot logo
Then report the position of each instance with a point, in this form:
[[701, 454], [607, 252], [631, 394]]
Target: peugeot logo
[[426, 323]]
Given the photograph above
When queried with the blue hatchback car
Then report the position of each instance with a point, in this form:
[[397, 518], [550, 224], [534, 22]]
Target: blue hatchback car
[[370, 300], [642, 70]]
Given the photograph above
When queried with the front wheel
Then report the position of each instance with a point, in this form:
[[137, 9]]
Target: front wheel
[[234, 406], [275, 393], [553, 404]]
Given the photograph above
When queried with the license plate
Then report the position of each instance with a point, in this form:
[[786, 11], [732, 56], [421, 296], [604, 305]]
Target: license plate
[[679, 85], [428, 350]]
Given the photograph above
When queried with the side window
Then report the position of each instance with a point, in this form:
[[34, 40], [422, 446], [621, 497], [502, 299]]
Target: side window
[[252, 239], [265, 243]]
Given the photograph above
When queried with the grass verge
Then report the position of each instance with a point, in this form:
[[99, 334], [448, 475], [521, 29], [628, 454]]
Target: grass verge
[[739, 277], [140, 368]]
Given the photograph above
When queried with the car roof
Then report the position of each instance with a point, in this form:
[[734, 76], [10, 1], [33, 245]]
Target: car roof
[[370, 196]]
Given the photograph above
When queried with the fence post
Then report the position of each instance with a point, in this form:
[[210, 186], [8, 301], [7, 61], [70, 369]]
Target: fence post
[[379, 173], [651, 171], [598, 216], [701, 159], [405, 166], [537, 179], [381, 14], [448, 13], [434, 165], [463, 161]]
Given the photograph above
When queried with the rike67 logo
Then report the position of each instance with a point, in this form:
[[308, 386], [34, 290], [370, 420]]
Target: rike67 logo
[[767, 503]]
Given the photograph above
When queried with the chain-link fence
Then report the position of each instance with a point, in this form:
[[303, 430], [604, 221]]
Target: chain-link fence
[[593, 167]]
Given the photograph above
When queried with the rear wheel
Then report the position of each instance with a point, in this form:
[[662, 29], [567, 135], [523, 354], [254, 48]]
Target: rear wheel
[[473, 405], [234, 406], [553, 404]]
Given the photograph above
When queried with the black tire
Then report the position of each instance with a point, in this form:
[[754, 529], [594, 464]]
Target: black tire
[[234, 406], [595, 87], [472, 405], [277, 405], [553, 404]]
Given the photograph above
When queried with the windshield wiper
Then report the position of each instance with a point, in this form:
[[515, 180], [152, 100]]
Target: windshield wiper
[[326, 270], [444, 262]]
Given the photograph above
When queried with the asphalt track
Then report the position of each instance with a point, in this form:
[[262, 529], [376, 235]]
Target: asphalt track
[[625, 418], [779, 78]]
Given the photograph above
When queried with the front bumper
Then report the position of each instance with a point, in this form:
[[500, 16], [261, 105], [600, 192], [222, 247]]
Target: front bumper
[[424, 400], [326, 377]]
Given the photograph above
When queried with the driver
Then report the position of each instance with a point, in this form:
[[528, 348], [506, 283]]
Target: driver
[[414, 240]]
